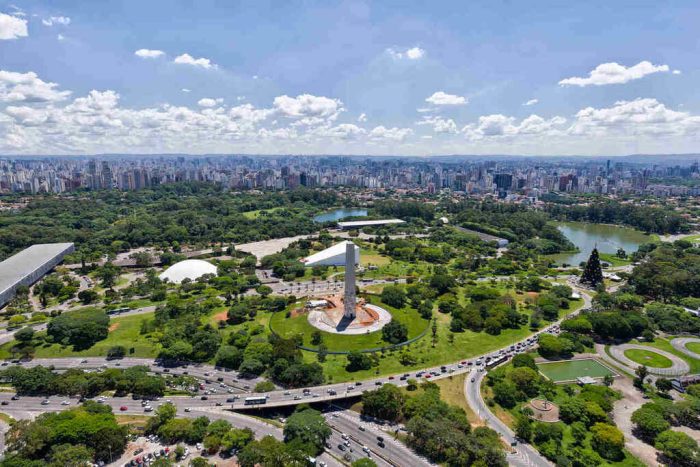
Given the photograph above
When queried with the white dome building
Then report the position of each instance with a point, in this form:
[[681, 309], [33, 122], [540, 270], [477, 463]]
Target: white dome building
[[187, 269]]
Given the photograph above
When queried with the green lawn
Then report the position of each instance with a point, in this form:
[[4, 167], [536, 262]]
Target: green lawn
[[571, 369], [693, 347], [663, 344], [288, 327], [648, 358], [614, 260], [125, 331]]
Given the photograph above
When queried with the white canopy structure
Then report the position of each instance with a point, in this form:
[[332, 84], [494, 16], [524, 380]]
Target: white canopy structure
[[187, 269], [333, 256]]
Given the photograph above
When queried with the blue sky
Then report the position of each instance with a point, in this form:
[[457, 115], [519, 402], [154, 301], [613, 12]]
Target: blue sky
[[492, 77]]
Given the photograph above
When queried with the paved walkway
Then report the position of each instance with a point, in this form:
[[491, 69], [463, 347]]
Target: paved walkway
[[677, 368], [680, 343]]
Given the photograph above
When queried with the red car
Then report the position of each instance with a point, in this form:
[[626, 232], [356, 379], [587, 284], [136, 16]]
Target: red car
[[391, 377], [123, 408]]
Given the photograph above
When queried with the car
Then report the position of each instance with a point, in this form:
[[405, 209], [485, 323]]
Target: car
[[219, 404], [187, 409], [148, 408], [344, 436], [366, 449], [83, 361], [138, 451], [381, 444], [361, 428], [4, 403], [341, 447], [391, 377], [473, 379], [377, 383], [65, 403], [380, 438], [45, 402], [123, 408], [204, 398]]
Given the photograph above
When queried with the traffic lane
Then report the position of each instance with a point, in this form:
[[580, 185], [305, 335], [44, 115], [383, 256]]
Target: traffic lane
[[393, 451]]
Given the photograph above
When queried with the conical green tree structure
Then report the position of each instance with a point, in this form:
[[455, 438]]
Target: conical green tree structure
[[593, 272]]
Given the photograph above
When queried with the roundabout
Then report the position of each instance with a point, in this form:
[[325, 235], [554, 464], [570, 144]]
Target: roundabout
[[681, 344], [658, 362]]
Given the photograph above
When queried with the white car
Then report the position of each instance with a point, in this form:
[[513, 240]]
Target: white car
[[65, 403]]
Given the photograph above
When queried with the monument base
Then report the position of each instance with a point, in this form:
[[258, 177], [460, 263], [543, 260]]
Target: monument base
[[330, 318]]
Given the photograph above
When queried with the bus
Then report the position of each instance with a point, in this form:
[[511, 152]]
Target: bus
[[257, 400]]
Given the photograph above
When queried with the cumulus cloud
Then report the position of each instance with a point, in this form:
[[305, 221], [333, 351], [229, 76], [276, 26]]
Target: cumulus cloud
[[439, 124], [614, 73], [307, 105], [676, 72], [344, 131], [362, 117], [208, 102], [531, 102], [394, 134], [640, 116], [187, 59], [149, 53], [50, 21], [28, 87], [414, 53], [502, 126], [442, 98], [12, 27]]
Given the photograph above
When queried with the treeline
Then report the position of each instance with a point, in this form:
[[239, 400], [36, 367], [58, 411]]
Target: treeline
[[79, 436], [668, 272], [660, 220], [42, 381], [513, 222], [405, 209], [437, 430], [192, 213]]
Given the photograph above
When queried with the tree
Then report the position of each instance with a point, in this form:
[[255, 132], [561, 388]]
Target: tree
[[307, 426], [649, 422], [608, 441], [88, 296], [385, 403], [229, 356], [364, 462], [679, 447], [608, 380], [24, 335], [592, 274], [524, 360], [505, 394], [642, 372], [80, 328], [115, 352], [358, 361], [395, 332], [523, 427], [316, 337], [199, 462], [663, 384], [70, 455], [237, 439], [394, 295]]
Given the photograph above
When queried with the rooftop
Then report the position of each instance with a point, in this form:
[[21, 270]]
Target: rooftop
[[18, 266], [369, 222]]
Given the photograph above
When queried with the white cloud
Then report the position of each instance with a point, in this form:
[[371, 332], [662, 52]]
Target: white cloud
[[531, 102], [186, 90], [27, 87], [676, 72], [442, 98], [240, 98], [439, 124], [362, 117], [414, 53], [395, 134], [502, 126], [149, 53], [208, 102], [307, 105], [187, 59], [62, 20], [61, 37], [344, 131], [614, 73], [12, 27], [637, 117]]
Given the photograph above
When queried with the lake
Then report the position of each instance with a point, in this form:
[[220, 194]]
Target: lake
[[608, 239], [339, 214]]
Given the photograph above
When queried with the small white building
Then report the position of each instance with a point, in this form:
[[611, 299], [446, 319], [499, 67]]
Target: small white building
[[333, 256]]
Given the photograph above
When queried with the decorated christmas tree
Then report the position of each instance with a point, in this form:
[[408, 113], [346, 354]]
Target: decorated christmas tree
[[592, 273]]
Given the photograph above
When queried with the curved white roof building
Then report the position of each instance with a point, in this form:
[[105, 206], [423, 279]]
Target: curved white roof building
[[187, 269], [333, 256]]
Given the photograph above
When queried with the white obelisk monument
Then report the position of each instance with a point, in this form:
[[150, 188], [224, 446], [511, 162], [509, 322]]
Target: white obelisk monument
[[350, 300]]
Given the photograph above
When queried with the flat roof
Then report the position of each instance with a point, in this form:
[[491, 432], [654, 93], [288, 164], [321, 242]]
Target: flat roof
[[370, 222], [18, 266]]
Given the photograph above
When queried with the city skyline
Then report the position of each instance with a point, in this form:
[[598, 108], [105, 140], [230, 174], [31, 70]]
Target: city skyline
[[348, 78]]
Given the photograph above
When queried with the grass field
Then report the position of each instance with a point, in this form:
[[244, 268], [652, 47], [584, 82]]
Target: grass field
[[288, 327], [614, 260], [572, 369], [648, 358], [663, 344], [125, 331], [693, 347]]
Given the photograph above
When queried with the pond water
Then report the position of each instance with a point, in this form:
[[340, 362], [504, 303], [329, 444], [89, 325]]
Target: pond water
[[608, 238], [339, 214]]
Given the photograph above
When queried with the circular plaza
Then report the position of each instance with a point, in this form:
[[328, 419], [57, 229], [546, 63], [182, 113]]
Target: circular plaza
[[658, 362]]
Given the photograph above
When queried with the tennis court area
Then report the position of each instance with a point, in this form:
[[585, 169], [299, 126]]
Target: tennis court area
[[571, 369]]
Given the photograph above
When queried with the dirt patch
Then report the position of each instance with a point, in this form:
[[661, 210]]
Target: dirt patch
[[223, 316], [297, 312], [544, 411], [114, 326]]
